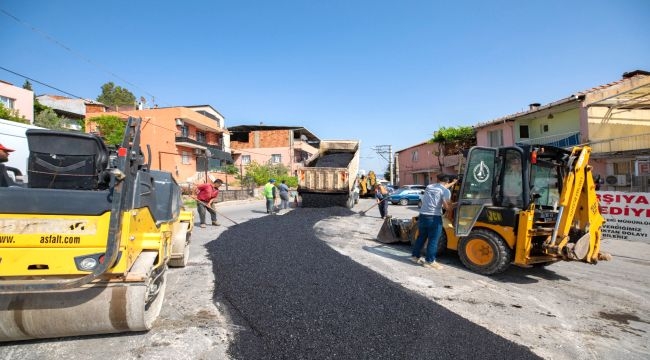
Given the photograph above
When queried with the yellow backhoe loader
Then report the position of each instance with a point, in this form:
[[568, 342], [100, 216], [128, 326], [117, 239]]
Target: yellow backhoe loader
[[521, 205], [85, 245]]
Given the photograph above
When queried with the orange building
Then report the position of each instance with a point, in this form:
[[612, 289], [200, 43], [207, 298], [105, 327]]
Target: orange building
[[185, 142]]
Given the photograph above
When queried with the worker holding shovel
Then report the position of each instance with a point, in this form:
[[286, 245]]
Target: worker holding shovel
[[381, 194], [206, 194]]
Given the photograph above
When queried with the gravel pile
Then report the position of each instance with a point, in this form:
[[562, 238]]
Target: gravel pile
[[293, 297], [336, 160]]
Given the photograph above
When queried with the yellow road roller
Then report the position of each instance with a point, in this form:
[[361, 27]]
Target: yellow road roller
[[85, 244]]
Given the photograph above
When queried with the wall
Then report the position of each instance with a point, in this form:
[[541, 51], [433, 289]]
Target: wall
[[421, 170], [23, 100]]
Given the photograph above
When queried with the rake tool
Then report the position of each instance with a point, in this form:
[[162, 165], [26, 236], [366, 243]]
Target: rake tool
[[209, 207]]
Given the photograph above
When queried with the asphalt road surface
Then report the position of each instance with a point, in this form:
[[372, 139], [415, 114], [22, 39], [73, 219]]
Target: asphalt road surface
[[294, 297], [314, 283]]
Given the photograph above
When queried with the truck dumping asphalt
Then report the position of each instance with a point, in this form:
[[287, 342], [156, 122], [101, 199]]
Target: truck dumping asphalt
[[334, 160], [293, 297]]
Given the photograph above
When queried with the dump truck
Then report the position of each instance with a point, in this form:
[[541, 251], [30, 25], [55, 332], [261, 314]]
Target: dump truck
[[547, 212], [85, 245], [329, 177]]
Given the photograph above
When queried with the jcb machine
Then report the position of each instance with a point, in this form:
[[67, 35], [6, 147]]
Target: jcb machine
[[85, 246], [522, 205]]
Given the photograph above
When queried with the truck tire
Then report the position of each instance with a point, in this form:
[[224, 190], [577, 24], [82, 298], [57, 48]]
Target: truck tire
[[484, 252]]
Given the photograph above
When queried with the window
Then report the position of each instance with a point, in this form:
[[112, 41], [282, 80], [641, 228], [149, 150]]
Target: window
[[414, 156], [7, 102], [200, 136], [245, 159], [523, 131], [276, 158], [543, 128], [495, 138], [185, 157], [185, 131]]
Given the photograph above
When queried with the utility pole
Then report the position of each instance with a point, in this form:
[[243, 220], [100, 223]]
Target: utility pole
[[386, 152]]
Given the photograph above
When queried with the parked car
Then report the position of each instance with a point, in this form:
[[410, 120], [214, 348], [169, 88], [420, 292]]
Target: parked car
[[405, 196], [417, 187]]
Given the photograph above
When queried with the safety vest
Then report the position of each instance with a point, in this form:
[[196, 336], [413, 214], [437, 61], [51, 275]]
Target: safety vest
[[268, 190]]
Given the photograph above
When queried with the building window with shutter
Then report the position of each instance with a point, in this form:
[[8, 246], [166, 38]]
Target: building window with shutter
[[186, 158], [7, 102], [495, 138]]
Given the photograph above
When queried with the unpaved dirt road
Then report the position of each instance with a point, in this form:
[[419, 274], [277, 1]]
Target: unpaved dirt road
[[566, 311]]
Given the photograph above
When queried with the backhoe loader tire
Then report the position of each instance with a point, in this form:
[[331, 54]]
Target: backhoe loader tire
[[484, 252]]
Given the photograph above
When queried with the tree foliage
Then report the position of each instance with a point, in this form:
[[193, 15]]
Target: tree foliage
[[11, 115], [115, 95], [260, 174], [27, 85], [454, 140], [111, 128], [48, 119]]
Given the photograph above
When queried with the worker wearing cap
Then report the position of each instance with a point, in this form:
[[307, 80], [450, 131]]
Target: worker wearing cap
[[4, 153], [207, 195], [269, 194], [5, 179]]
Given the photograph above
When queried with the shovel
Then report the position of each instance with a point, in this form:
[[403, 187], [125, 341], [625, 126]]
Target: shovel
[[363, 212], [220, 214]]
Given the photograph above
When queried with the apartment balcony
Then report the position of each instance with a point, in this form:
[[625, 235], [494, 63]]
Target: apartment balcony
[[190, 142], [559, 140], [627, 144]]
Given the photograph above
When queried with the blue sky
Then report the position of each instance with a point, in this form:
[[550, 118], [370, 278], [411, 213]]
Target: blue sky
[[383, 72]]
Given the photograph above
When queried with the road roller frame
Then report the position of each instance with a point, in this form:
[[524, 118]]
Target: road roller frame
[[86, 244]]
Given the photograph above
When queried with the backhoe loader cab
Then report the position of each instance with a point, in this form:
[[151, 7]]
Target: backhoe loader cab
[[524, 205]]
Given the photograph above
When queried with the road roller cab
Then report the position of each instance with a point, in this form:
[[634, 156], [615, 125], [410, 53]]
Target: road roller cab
[[85, 245]]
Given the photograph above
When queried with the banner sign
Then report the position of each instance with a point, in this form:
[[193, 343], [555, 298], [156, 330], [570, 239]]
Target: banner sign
[[627, 215]]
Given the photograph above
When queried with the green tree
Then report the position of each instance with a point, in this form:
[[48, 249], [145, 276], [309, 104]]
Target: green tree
[[260, 174], [115, 95], [27, 85], [453, 140], [49, 120], [111, 128], [11, 115]]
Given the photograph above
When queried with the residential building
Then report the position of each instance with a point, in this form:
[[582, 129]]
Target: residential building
[[420, 164], [286, 145], [614, 119], [184, 142], [17, 99], [417, 164], [73, 110]]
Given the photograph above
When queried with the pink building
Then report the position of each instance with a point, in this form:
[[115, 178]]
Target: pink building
[[17, 99]]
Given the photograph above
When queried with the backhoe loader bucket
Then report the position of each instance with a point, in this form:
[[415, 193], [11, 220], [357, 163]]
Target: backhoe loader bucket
[[395, 230]]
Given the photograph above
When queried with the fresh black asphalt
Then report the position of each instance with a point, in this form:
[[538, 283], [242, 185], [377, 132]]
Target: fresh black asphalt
[[293, 297]]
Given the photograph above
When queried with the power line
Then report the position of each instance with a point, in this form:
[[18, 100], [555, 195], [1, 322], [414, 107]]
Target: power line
[[73, 95], [71, 51]]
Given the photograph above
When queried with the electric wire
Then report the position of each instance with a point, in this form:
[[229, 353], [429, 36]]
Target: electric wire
[[73, 52]]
